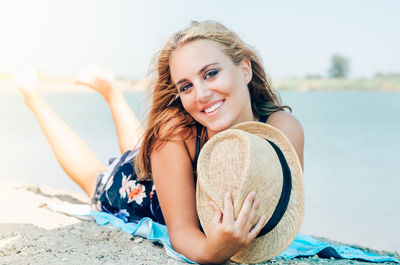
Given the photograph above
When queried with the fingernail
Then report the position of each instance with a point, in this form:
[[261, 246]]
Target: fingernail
[[228, 194]]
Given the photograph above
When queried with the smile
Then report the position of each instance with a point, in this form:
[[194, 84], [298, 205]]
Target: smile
[[213, 107]]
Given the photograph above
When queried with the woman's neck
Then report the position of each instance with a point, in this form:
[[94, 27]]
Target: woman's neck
[[210, 133]]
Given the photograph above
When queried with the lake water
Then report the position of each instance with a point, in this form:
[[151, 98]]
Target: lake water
[[352, 156]]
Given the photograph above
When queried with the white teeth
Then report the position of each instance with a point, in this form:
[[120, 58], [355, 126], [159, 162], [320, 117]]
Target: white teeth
[[212, 108]]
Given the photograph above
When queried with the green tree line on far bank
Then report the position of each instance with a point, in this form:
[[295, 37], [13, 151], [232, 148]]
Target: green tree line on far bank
[[338, 80]]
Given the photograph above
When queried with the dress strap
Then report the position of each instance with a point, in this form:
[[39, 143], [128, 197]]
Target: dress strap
[[263, 119], [196, 155]]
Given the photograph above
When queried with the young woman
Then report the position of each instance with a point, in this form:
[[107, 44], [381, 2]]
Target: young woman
[[206, 80]]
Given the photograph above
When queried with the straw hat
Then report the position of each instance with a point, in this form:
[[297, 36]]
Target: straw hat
[[253, 156]]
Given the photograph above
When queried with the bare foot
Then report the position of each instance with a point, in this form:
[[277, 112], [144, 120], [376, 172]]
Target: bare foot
[[27, 84], [99, 79]]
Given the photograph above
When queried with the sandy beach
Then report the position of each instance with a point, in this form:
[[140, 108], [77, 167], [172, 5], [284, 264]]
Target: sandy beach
[[31, 233]]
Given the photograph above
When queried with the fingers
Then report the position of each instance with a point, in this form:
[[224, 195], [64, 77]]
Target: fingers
[[257, 228], [217, 215], [247, 212], [228, 217], [253, 214]]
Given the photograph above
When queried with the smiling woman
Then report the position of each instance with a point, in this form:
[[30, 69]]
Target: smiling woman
[[206, 81], [212, 89]]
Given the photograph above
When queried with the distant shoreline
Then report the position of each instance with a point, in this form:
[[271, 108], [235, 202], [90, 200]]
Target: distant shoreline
[[337, 84], [66, 85]]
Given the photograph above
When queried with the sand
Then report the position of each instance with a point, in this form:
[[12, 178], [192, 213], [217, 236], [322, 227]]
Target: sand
[[31, 233]]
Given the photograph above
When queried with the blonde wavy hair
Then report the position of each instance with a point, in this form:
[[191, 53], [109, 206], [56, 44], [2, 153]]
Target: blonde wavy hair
[[166, 104]]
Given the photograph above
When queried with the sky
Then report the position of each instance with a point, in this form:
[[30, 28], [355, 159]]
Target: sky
[[294, 38]]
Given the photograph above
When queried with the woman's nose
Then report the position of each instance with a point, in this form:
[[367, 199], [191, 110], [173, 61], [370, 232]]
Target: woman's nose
[[203, 92]]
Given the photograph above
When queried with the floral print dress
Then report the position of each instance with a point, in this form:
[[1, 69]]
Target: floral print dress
[[120, 193]]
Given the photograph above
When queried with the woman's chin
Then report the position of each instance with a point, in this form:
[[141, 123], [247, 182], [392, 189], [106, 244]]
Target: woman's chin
[[216, 128]]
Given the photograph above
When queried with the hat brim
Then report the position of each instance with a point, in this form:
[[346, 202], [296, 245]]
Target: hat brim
[[276, 241]]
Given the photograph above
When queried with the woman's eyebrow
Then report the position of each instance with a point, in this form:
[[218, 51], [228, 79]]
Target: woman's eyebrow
[[199, 72]]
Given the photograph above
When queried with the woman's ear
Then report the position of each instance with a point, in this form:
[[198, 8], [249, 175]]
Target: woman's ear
[[245, 66]]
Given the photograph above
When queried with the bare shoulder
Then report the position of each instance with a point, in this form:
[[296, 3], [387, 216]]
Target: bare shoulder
[[292, 129], [184, 133], [285, 122], [187, 136]]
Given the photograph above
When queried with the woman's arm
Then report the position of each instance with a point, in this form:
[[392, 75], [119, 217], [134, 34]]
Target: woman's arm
[[173, 177], [127, 125]]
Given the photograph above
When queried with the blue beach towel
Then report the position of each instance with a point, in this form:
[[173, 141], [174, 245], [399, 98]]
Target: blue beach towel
[[302, 246]]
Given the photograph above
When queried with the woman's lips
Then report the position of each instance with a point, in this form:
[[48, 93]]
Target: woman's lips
[[210, 111]]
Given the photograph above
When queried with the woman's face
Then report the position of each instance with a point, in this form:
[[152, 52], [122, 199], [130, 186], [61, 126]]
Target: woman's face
[[213, 90]]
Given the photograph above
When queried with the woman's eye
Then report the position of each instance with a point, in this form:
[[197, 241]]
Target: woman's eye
[[211, 73], [184, 88]]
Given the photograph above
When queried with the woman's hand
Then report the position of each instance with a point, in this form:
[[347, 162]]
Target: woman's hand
[[99, 79], [226, 236]]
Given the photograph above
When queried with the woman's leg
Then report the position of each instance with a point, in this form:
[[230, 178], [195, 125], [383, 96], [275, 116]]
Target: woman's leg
[[127, 125], [72, 153]]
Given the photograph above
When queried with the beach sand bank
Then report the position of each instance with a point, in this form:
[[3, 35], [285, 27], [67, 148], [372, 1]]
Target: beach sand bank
[[67, 86], [31, 233]]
